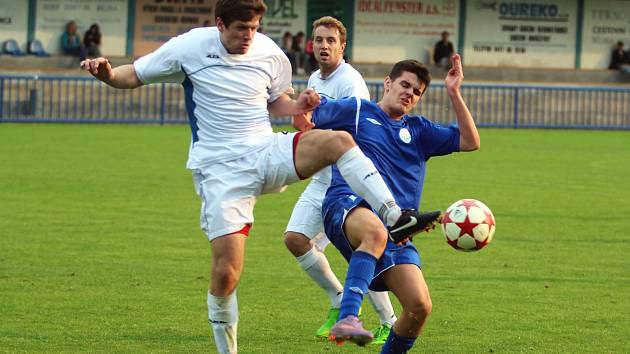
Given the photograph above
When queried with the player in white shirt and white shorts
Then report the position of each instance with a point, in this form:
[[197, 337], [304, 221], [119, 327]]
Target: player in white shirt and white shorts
[[334, 79], [233, 77]]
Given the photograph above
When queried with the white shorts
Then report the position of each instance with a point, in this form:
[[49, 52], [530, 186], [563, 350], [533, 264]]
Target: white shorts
[[228, 189], [306, 217]]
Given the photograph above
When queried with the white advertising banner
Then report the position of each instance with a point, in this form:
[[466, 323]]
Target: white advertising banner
[[536, 34], [389, 31], [14, 21], [605, 23], [110, 15], [284, 16]]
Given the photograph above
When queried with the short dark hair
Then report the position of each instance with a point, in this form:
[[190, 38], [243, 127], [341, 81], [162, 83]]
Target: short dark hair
[[412, 66], [238, 10], [620, 43]]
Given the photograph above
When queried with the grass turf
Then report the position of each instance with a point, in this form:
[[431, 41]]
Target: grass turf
[[100, 249]]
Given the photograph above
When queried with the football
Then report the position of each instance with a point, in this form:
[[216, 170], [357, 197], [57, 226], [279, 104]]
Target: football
[[468, 225]]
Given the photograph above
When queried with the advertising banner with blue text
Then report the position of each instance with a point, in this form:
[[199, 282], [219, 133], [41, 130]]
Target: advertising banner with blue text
[[535, 34]]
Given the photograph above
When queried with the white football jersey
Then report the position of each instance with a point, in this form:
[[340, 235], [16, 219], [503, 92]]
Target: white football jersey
[[226, 94], [345, 81]]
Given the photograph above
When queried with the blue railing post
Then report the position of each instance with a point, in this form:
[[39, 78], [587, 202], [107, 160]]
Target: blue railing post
[[516, 89], [1, 98], [163, 106]]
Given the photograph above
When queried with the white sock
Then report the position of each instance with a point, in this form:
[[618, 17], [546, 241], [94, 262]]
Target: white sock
[[365, 180], [320, 241], [315, 264], [223, 318], [383, 306]]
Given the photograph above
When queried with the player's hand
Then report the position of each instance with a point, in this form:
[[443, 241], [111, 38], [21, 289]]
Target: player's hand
[[100, 68], [404, 241], [308, 100], [455, 75], [302, 122]]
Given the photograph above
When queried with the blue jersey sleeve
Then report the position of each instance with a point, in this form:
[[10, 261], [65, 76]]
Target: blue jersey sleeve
[[438, 140], [336, 114]]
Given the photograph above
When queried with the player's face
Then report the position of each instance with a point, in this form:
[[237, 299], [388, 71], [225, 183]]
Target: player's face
[[403, 94], [327, 47], [238, 36]]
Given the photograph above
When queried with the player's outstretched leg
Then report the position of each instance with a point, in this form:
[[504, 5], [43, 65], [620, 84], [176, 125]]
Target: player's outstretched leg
[[317, 149]]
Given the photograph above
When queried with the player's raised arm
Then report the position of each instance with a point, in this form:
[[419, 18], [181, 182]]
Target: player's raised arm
[[469, 136], [123, 76]]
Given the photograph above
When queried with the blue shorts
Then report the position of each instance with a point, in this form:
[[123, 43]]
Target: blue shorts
[[334, 214]]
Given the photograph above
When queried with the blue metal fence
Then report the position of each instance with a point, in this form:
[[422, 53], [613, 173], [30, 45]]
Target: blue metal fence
[[86, 100]]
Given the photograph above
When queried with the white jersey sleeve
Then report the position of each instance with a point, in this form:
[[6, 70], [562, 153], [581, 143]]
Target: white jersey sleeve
[[282, 82], [162, 65]]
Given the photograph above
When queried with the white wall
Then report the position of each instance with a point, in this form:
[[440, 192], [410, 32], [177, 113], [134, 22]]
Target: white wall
[[605, 23], [110, 15], [14, 21], [284, 15], [389, 31]]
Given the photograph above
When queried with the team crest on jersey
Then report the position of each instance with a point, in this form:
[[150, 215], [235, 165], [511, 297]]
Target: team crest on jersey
[[404, 135]]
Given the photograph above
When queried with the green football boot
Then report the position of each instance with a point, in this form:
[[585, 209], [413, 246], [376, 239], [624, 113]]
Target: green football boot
[[381, 333], [324, 330]]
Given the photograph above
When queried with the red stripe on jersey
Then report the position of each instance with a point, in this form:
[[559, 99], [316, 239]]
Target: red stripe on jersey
[[296, 138]]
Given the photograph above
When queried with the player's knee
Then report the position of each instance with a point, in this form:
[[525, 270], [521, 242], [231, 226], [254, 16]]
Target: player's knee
[[344, 141], [336, 143], [375, 240], [297, 243], [419, 310], [225, 277]]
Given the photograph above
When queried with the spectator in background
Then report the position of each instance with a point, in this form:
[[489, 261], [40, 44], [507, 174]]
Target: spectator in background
[[443, 51], [620, 59], [311, 62], [299, 52], [286, 44], [206, 23], [92, 41], [71, 42]]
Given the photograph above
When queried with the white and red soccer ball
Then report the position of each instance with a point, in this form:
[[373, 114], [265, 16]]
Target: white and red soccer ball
[[468, 225]]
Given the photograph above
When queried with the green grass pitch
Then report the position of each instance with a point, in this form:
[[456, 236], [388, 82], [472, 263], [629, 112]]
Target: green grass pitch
[[100, 248]]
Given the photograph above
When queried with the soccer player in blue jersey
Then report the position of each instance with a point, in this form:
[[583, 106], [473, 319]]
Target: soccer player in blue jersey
[[399, 145]]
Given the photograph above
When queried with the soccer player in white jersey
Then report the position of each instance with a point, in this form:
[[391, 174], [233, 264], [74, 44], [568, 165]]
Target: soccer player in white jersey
[[400, 146], [304, 235], [233, 77]]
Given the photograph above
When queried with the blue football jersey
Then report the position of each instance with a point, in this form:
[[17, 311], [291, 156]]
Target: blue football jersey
[[398, 148]]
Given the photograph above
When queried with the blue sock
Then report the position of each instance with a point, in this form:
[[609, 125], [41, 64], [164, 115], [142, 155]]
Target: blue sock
[[358, 278], [397, 344]]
